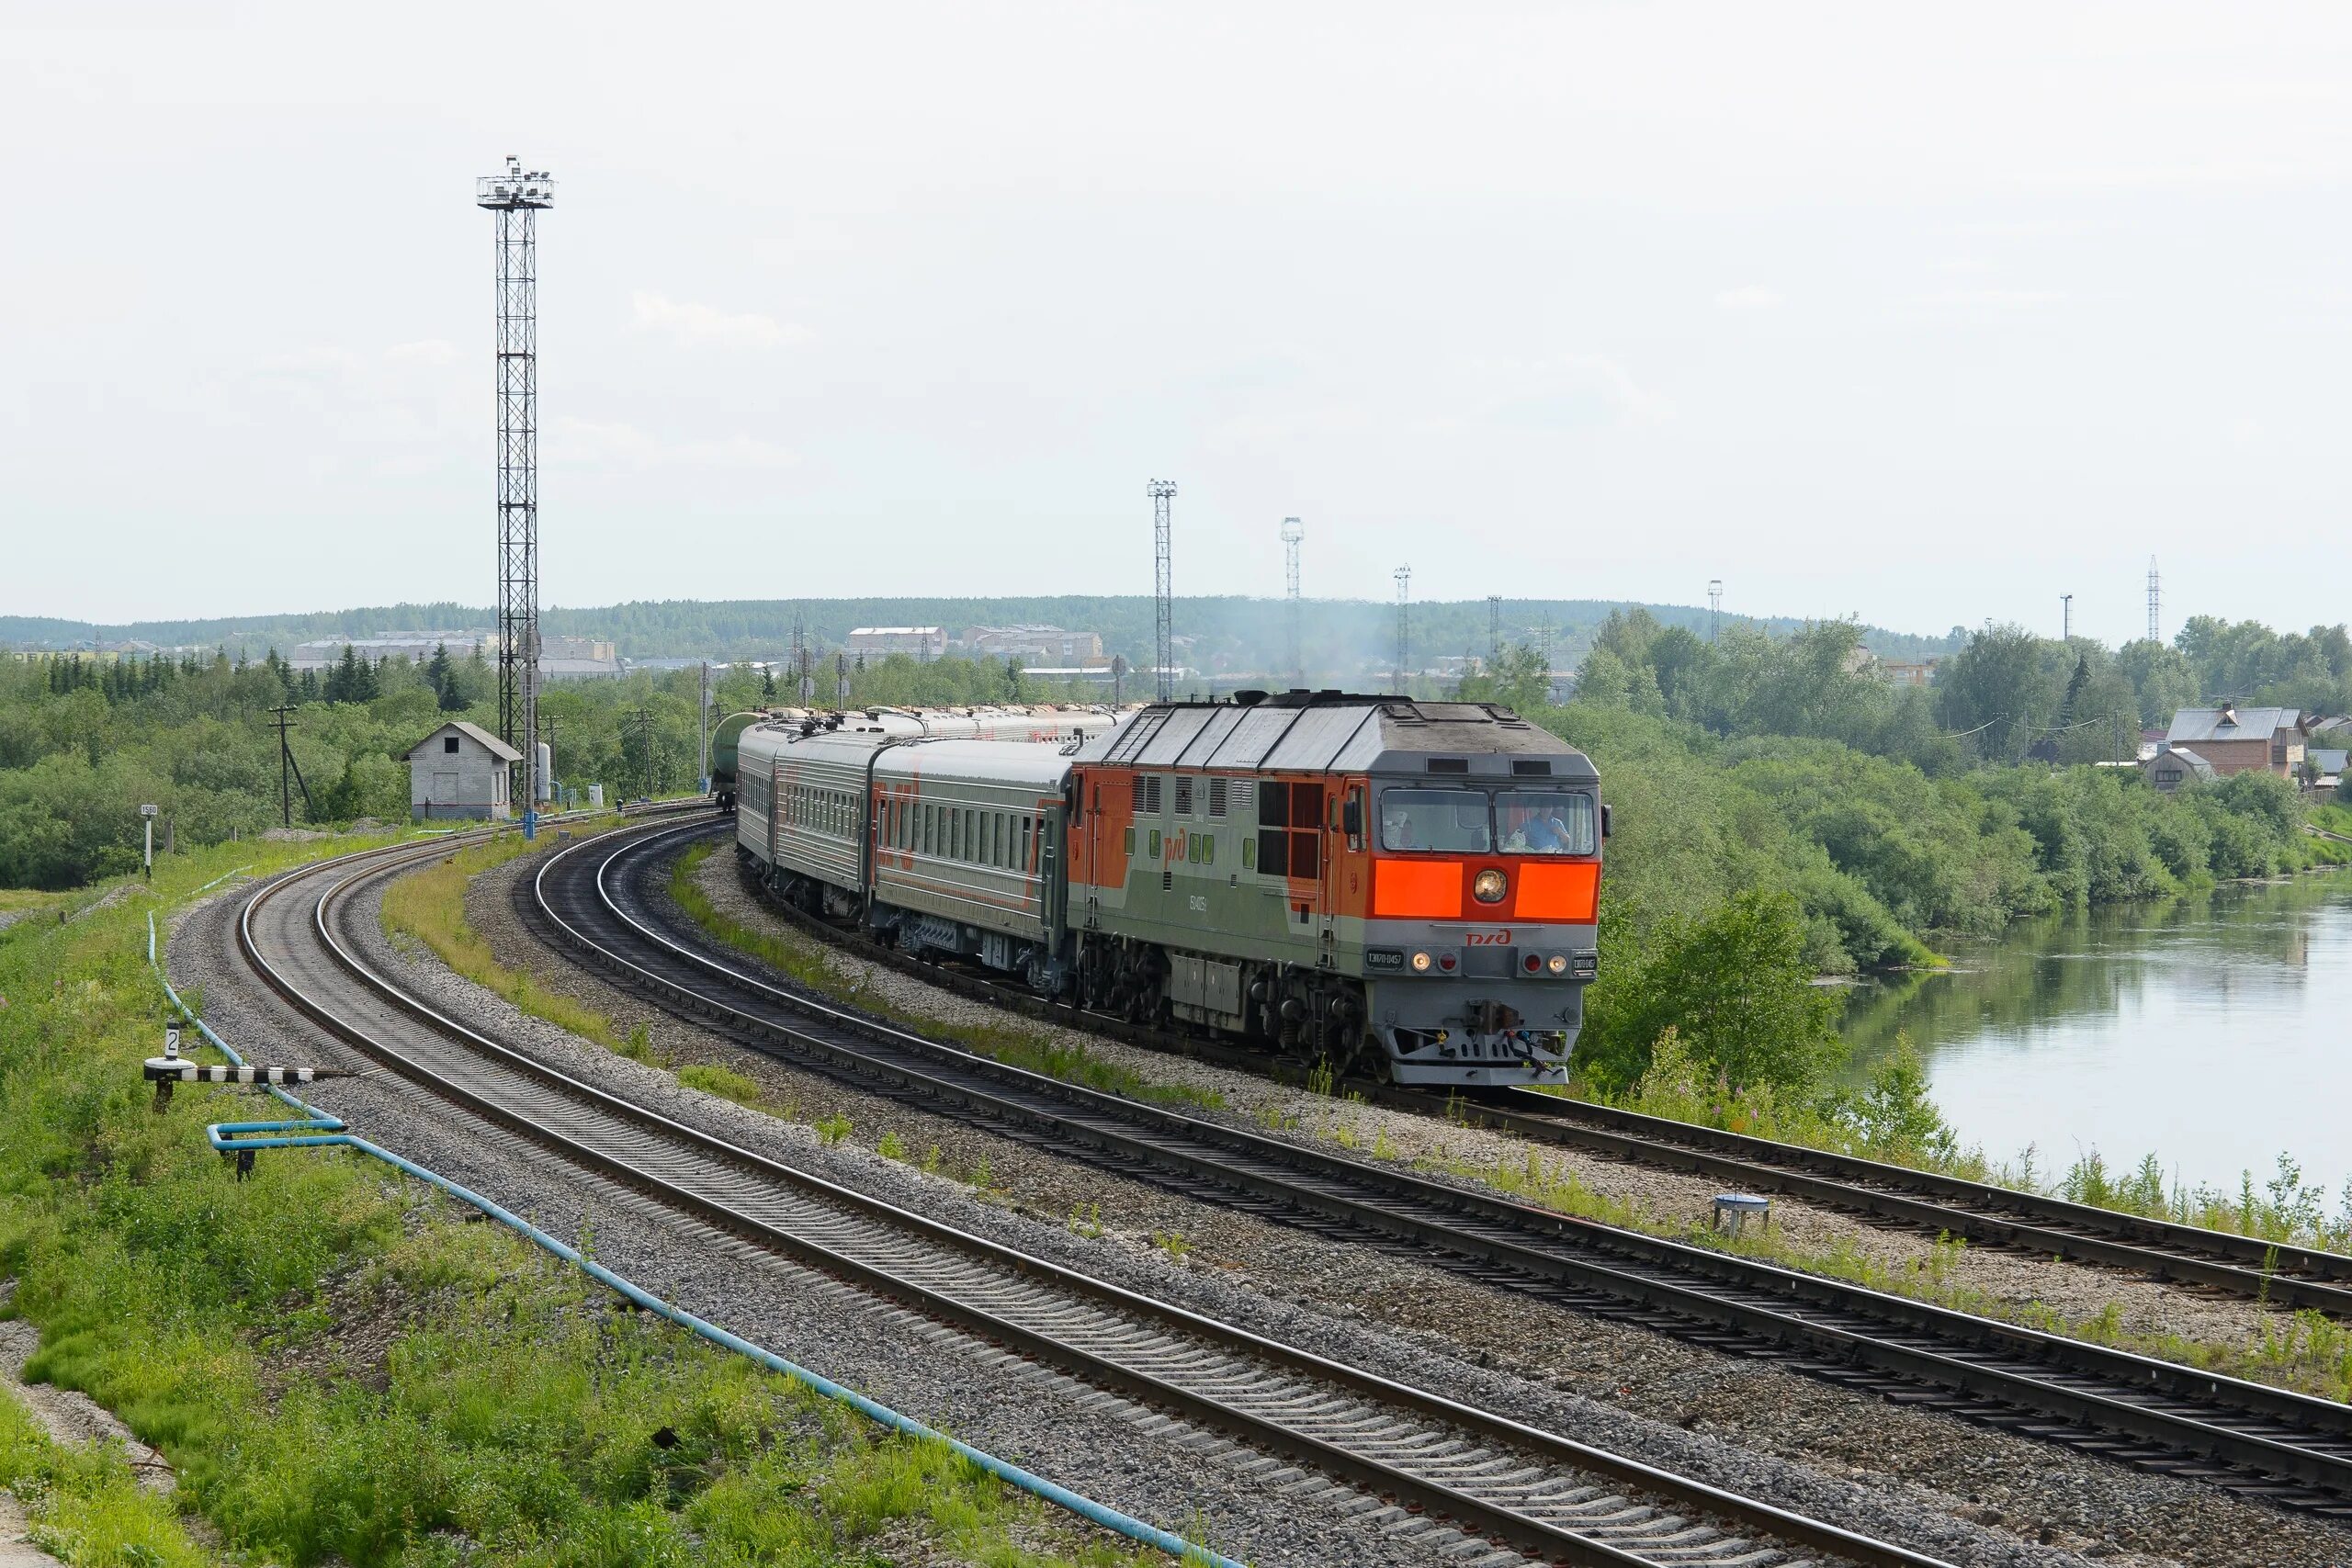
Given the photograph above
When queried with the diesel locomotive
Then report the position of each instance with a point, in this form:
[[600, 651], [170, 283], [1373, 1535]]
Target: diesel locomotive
[[1406, 886]]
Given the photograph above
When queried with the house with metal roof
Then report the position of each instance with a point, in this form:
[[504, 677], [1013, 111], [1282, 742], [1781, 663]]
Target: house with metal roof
[[2172, 767], [2235, 739]]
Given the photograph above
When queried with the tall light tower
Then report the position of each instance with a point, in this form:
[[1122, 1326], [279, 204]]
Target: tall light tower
[[1494, 631], [513, 200], [1716, 610], [1403, 575], [1293, 532], [2156, 599], [2065, 618], [1164, 648]]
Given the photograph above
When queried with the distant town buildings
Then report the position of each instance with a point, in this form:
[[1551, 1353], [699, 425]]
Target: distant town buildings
[[1035, 645], [1902, 673], [923, 644], [560, 658]]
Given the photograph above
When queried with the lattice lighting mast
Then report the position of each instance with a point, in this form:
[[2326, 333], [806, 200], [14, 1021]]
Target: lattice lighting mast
[[1716, 610], [1293, 532], [513, 200], [1163, 492], [2155, 603]]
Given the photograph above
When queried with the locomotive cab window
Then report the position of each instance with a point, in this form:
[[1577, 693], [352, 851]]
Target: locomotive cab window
[[1452, 821]]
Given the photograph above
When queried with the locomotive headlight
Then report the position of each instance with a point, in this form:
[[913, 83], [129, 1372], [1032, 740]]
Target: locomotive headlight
[[1559, 965], [1421, 963], [1488, 887]]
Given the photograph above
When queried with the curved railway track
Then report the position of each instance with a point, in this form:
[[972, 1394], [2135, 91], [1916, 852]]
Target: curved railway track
[[601, 902], [1541, 1493], [2216, 1261]]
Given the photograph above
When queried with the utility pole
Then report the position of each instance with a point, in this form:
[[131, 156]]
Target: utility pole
[[644, 717], [1163, 492], [841, 678], [515, 199], [285, 763], [702, 715], [1716, 610], [1493, 632], [1293, 532], [1403, 575], [2065, 618], [1118, 678]]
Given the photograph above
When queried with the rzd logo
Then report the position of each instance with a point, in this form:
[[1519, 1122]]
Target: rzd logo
[[1488, 939]]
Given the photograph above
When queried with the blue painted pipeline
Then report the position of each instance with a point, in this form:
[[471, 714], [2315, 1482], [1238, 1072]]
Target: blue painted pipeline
[[318, 1130]]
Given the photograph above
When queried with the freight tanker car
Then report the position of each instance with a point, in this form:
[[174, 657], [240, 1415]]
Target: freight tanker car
[[1409, 887]]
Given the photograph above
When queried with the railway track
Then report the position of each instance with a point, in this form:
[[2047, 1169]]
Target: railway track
[[601, 901], [2215, 1261], [1541, 1493]]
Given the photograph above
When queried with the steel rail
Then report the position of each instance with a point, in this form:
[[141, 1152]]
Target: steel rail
[[521, 1080], [1824, 1326], [2285, 1276]]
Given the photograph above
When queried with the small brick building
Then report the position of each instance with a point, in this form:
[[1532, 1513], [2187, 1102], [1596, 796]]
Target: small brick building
[[459, 771], [2241, 740]]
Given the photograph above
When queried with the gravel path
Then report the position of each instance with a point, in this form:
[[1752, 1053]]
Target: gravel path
[[1908, 1473], [1674, 1201]]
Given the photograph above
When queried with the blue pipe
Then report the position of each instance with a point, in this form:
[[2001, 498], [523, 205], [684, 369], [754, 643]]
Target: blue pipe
[[319, 1130]]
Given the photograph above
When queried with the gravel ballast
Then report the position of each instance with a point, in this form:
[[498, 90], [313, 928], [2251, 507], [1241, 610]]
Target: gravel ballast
[[1969, 1494]]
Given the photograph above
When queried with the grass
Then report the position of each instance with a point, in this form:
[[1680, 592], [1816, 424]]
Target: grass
[[725, 1082], [2307, 1352], [341, 1371], [82, 1505], [430, 905], [808, 964]]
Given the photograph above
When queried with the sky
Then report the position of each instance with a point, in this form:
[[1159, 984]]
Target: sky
[[1929, 315]]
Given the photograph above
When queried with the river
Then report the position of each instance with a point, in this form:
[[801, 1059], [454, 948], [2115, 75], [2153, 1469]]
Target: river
[[2214, 1030]]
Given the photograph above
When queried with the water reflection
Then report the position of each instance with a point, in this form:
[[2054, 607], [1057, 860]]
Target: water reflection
[[2211, 1030]]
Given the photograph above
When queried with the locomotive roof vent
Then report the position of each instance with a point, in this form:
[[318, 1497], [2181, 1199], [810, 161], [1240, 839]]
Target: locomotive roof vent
[[1450, 764], [1249, 699], [1531, 767]]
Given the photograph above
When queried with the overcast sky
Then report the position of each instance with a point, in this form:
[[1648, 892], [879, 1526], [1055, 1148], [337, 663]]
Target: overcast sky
[[1925, 316]]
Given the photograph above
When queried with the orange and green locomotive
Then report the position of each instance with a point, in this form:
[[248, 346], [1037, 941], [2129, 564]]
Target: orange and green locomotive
[[1407, 886]]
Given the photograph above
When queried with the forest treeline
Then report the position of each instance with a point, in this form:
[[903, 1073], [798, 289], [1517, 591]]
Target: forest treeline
[[1782, 812]]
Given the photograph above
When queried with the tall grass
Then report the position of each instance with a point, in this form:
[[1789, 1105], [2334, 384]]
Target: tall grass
[[430, 905], [341, 1371]]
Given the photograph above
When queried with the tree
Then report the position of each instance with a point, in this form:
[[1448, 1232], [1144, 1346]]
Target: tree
[[1735, 985], [1999, 692], [2163, 681]]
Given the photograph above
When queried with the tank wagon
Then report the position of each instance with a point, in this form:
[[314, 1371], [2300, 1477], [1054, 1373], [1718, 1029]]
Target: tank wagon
[[1412, 887]]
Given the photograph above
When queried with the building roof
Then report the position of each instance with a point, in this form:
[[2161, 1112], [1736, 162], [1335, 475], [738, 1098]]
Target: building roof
[[2331, 761], [894, 631], [2230, 724], [2196, 764], [498, 748]]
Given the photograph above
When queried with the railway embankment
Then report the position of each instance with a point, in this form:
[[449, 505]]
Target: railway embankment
[[337, 1367], [1510, 1353], [2247, 1338]]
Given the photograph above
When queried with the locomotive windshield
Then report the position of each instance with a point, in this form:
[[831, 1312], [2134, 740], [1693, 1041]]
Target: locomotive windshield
[[1465, 821], [1446, 819], [1544, 822]]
